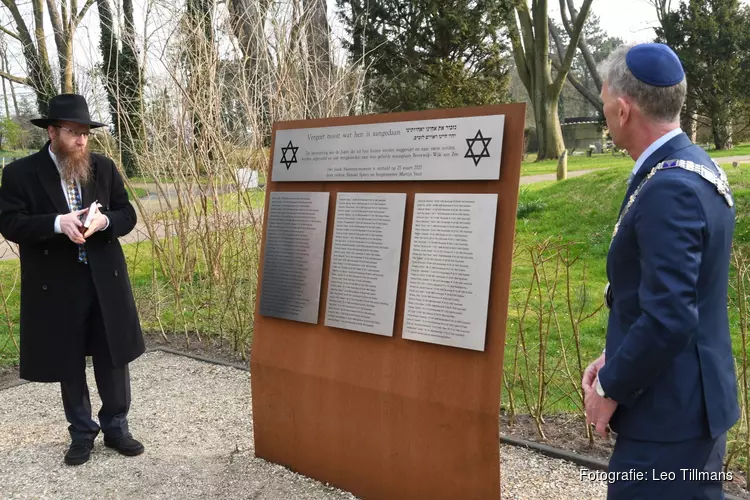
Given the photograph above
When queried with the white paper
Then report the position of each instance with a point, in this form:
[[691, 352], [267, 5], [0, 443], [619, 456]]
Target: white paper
[[93, 210], [365, 258], [450, 265], [441, 149]]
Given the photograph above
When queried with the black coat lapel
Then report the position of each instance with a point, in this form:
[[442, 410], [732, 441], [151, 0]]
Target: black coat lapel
[[50, 179], [89, 189]]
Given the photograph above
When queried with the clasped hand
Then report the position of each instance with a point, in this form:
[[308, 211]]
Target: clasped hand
[[599, 410], [72, 227]]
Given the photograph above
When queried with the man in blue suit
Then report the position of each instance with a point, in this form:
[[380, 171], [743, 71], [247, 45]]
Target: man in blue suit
[[666, 382]]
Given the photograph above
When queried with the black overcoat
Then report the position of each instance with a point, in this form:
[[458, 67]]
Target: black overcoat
[[31, 197]]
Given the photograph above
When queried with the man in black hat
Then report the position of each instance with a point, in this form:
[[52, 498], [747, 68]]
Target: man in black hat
[[76, 298]]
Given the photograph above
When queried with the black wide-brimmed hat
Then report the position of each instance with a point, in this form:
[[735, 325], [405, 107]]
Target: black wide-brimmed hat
[[69, 108]]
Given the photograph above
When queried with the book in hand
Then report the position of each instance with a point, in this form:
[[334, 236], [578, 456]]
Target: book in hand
[[93, 210]]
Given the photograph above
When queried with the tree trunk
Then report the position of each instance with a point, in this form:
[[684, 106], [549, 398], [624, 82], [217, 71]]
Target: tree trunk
[[318, 57], [5, 90], [248, 18], [122, 81], [67, 83], [689, 118], [12, 88], [721, 127], [549, 133]]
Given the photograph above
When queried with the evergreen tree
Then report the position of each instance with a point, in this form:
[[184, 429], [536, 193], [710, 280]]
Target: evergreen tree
[[428, 53]]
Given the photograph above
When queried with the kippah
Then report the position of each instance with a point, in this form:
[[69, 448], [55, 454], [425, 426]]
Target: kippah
[[655, 64]]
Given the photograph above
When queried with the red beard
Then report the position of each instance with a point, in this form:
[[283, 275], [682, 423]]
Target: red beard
[[74, 162]]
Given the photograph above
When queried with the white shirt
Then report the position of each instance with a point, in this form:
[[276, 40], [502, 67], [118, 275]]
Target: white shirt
[[654, 146], [65, 192]]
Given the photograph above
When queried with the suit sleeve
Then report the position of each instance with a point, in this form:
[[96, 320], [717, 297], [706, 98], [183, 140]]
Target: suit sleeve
[[17, 224], [121, 214], [669, 226]]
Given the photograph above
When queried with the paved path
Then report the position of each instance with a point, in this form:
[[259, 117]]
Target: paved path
[[195, 420], [732, 159], [530, 179]]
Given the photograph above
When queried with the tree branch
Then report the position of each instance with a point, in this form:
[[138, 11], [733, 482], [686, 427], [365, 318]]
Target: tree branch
[[558, 41], [527, 27], [518, 52], [82, 12], [582, 43], [57, 25], [10, 33], [587, 93], [16, 79], [574, 38]]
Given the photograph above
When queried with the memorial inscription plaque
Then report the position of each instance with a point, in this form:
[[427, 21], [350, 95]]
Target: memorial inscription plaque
[[423, 150], [293, 261], [450, 265], [365, 258]]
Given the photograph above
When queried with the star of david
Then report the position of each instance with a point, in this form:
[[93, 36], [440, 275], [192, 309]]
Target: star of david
[[284, 151], [472, 142]]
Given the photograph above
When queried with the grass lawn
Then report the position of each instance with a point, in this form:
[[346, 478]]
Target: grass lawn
[[607, 160], [136, 192], [580, 212], [740, 150], [229, 202], [14, 154]]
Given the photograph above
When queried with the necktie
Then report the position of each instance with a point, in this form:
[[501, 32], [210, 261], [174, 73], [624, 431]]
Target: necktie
[[74, 199]]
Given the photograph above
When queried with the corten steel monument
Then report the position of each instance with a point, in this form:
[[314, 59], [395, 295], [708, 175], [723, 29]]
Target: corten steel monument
[[382, 300]]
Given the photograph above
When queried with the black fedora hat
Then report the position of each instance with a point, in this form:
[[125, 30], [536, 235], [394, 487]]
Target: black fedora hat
[[69, 108]]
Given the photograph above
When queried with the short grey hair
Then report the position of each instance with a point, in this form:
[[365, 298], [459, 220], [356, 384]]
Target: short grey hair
[[662, 104]]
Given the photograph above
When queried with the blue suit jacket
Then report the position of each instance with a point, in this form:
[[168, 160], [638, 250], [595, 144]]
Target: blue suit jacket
[[669, 360]]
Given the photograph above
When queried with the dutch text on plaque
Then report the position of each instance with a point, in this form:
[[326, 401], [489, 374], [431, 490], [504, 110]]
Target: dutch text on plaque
[[422, 150], [450, 265], [365, 258], [293, 259]]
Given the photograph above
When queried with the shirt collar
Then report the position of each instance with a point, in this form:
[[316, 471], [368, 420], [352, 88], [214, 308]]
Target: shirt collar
[[654, 146]]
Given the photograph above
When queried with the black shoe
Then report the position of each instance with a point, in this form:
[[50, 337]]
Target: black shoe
[[126, 445], [79, 452]]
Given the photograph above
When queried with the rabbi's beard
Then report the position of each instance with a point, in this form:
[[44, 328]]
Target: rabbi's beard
[[74, 162]]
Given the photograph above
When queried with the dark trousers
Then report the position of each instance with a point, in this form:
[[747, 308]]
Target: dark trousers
[[671, 470], [113, 383]]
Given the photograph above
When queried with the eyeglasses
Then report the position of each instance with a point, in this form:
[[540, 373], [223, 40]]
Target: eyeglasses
[[73, 132]]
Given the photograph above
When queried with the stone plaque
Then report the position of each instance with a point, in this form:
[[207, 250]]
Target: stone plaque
[[424, 150], [450, 265], [293, 260], [365, 258]]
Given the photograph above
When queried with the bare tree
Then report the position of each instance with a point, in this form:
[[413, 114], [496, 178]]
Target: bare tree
[[35, 53], [64, 24], [319, 54], [248, 18], [529, 33], [592, 97], [122, 78]]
